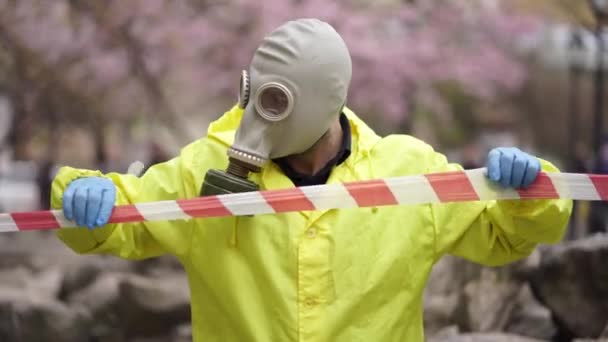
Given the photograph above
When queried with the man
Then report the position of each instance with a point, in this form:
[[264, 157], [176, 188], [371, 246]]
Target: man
[[334, 275]]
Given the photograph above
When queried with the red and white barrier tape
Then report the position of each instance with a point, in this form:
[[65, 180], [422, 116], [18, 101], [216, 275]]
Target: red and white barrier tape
[[469, 185]]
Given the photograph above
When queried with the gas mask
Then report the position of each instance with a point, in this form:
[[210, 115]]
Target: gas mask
[[294, 90]]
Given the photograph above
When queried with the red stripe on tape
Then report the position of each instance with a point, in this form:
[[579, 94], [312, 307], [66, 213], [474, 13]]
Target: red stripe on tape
[[209, 206], [541, 188], [371, 193], [601, 185], [452, 187], [37, 220], [126, 213], [287, 200]]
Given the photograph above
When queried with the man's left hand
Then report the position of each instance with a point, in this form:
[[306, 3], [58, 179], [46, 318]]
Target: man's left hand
[[512, 168]]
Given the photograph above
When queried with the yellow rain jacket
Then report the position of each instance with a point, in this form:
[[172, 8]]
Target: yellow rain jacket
[[337, 275]]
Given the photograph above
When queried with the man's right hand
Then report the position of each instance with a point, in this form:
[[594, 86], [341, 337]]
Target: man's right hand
[[89, 201]]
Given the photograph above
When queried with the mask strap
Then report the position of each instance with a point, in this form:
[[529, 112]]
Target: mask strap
[[244, 89]]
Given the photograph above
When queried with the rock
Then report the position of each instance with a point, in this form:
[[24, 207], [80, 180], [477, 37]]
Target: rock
[[152, 306], [48, 293], [530, 318], [445, 333], [101, 299], [452, 334], [46, 283], [81, 271], [572, 280], [15, 278], [24, 317], [100, 295], [41, 284], [158, 267], [135, 305], [440, 311], [487, 337], [490, 299], [444, 300], [183, 333], [473, 297], [33, 250]]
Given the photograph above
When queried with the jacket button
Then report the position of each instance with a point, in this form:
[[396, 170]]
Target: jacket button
[[310, 302], [312, 232]]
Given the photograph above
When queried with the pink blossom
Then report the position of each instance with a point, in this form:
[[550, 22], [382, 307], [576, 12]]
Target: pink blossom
[[197, 49]]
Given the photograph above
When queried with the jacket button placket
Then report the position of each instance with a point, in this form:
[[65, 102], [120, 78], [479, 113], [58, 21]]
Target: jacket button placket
[[313, 281]]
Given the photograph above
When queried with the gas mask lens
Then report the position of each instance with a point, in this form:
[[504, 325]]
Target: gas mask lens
[[274, 101]]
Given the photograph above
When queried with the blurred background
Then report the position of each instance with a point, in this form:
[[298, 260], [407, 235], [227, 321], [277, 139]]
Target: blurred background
[[101, 84]]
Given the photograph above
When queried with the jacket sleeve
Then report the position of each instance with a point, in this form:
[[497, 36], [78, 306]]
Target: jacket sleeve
[[165, 181], [496, 232]]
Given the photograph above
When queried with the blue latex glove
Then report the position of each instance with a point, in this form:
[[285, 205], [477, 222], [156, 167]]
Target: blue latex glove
[[89, 201], [512, 168]]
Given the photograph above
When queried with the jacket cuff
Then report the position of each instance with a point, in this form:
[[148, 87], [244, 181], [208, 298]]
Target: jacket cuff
[[538, 221], [81, 240]]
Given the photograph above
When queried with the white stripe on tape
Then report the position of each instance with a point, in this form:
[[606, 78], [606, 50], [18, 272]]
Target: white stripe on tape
[[412, 190], [63, 222], [331, 196], [487, 190], [7, 224], [574, 185], [246, 203], [164, 210]]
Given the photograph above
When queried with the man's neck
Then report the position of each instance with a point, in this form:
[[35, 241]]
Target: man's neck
[[312, 161]]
